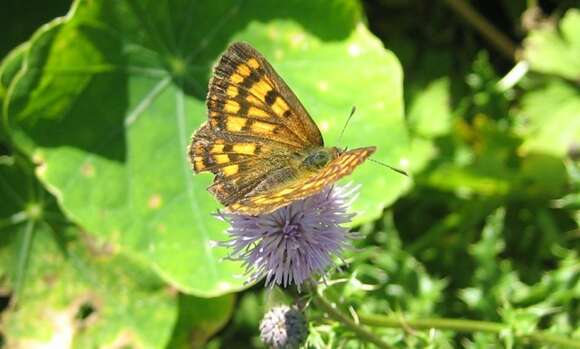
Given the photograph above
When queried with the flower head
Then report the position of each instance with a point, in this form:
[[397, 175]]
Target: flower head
[[283, 328], [294, 242]]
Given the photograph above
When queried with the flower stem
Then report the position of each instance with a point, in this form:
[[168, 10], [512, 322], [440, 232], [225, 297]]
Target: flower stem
[[337, 315], [461, 325], [495, 37]]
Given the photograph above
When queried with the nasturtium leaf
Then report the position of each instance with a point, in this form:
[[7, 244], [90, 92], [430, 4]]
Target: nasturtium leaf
[[24, 202], [68, 290], [9, 66], [555, 50], [109, 96], [14, 198], [79, 297]]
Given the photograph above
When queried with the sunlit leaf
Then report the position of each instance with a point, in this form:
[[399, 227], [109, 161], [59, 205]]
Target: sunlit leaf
[[555, 50], [549, 119]]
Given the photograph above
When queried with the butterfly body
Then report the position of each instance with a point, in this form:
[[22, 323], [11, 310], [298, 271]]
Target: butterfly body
[[318, 158], [259, 141]]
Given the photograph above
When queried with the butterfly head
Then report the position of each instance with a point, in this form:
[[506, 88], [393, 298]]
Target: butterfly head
[[319, 157]]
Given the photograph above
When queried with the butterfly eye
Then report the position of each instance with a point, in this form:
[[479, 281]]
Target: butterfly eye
[[317, 159]]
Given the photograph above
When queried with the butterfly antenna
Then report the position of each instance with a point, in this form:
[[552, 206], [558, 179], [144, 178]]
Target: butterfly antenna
[[346, 123], [404, 173], [373, 160]]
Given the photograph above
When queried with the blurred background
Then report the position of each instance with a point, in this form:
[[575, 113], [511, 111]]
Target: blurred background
[[104, 231]]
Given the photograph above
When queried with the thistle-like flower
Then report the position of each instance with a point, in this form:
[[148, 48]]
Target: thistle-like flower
[[283, 328], [291, 244]]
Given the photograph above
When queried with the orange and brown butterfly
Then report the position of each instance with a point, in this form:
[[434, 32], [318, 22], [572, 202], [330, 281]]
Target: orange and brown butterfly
[[261, 144]]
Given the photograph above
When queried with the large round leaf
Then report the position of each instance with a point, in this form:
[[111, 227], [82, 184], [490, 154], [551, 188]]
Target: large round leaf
[[108, 97], [69, 291], [72, 299], [66, 293]]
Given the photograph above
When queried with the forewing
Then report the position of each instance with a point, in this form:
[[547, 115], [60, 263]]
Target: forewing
[[247, 97], [284, 194]]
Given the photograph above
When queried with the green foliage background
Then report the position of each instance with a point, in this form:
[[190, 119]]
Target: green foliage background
[[106, 238]]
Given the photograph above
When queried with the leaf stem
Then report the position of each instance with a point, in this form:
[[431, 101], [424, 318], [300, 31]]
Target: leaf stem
[[496, 38], [23, 257], [513, 76], [462, 325], [346, 321]]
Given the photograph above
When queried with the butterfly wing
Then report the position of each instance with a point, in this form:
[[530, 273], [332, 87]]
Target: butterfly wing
[[247, 97], [255, 126], [239, 163], [282, 195]]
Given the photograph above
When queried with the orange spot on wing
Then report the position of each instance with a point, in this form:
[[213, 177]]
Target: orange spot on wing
[[230, 170], [231, 107], [280, 106], [232, 91], [198, 165], [261, 88], [254, 100], [245, 148], [217, 148], [236, 78], [257, 112], [252, 62], [235, 124], [243, 70], [221, 158], [262, 127]]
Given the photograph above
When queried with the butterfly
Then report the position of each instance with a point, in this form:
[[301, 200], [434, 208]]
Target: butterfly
[[259, 141]]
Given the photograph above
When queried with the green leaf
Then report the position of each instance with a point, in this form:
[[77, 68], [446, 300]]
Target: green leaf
[[14, 203], [493, 279], [77, 297], [199, 319], [556, 50], [428, 94], [399, 281], [486, 162], [112, 92], [549, 119], [430, 114], [9, 67], [66, 289]]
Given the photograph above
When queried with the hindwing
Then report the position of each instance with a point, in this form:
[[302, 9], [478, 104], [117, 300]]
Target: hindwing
[[238, 162]]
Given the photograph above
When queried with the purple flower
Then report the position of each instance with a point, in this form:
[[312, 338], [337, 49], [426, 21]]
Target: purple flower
[[283, 327], [294, 242]]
